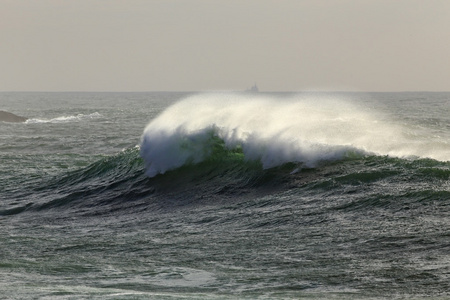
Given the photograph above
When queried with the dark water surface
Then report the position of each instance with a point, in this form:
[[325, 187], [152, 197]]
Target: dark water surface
[[225, 196]]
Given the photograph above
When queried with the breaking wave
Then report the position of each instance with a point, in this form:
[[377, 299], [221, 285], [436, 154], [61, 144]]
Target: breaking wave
[[304, 129]]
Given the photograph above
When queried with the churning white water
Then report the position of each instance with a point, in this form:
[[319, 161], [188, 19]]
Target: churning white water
[[306, 129]]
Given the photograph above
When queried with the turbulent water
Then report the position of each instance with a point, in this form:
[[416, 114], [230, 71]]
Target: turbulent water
[[225, 196]]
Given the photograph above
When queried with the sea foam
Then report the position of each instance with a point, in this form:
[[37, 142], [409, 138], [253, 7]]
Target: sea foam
[[307, 129], [65, 119]]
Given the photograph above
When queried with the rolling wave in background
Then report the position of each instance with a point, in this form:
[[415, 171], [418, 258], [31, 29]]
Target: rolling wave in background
[[65, 119]]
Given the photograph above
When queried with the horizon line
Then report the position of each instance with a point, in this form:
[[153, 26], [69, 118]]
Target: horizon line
[[218, 91]]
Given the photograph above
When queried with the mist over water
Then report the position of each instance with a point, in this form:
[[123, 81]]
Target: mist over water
[[303, 128]]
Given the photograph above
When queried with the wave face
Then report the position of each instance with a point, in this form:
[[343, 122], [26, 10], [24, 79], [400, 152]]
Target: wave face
[[305, 129], [117, 183]]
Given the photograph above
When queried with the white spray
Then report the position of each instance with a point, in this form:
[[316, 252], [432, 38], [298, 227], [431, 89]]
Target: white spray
[[274, 130]]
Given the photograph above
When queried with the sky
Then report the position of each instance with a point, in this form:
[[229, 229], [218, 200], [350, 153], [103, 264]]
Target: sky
[[206, 45]]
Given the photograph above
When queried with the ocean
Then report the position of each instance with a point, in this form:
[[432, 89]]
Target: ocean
[[225, 195]]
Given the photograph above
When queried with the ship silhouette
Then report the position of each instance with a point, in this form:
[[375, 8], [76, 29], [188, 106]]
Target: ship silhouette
[[253, 89]]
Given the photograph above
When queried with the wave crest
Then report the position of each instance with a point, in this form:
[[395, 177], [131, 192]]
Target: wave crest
[[306, 129], [269, 132]]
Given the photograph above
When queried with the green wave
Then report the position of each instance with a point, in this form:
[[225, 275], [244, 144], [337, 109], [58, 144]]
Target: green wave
[[119, 182]]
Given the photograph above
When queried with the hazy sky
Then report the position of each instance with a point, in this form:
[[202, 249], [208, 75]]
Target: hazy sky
[[192, 45]]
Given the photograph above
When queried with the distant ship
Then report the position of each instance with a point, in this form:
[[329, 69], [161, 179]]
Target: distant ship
[[253, 89]]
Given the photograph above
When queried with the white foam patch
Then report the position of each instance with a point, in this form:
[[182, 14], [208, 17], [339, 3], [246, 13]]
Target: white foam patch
[[65, 119]]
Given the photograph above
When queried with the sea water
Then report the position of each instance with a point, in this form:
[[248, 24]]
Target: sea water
[[225, 196]]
